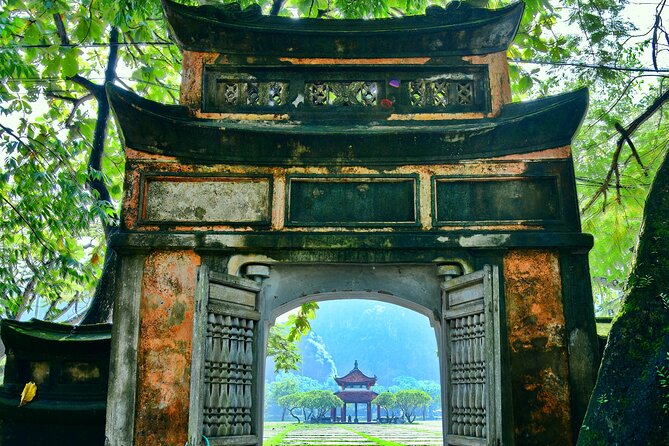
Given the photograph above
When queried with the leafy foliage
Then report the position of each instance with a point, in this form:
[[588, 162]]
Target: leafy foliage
[[411, 400], [314, 404], [283, 338], [55, 55], [386, 401]]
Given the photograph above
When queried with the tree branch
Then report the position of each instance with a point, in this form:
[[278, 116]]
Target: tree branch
[[625, 137], [76, 102], [60, 29], [100, 135], [276, 7], [92, 87]]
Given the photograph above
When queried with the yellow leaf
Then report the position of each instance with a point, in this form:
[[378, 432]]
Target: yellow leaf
[[28, 393]]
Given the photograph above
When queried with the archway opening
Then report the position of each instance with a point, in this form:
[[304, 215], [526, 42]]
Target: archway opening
[[360, 346]]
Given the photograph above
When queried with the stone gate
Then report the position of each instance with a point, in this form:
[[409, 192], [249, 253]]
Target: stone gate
[[320, 159]]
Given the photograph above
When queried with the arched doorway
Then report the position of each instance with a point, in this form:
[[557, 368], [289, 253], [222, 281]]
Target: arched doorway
[[233, 316]]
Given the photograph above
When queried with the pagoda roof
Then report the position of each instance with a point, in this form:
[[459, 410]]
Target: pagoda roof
[[40, 338], [456, 30], [352, 396], [171, 130], [355, 376]]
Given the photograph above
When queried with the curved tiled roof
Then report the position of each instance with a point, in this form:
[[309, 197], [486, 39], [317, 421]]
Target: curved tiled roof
[[355, 376], [351, 396], [459, 29]]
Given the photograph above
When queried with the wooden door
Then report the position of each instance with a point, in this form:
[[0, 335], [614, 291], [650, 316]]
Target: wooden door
[[224, 364], [473, 391]]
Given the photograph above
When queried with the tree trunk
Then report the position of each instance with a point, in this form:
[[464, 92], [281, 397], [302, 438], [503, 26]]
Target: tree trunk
[[102, 304], [626, 405], [283, 414], [293, 415]]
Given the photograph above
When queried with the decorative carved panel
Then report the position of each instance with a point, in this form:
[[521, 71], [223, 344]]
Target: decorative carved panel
[[468, 388], [345, 94], [367, 89], [472, 341], [224, 365], [228, 375], [235, 92]]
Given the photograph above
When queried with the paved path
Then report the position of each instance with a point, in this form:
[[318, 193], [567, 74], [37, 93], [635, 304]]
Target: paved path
[[421, 434]]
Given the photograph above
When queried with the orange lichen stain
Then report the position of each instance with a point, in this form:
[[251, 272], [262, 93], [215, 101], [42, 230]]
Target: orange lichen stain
[[435, 116], [164, 351], [191, 77], [130, 204], [244, 116], [538, 350], [557, 153], [508, 227], [534, 299], [132, 154], [278, 201], [498, 78], [337, 61]]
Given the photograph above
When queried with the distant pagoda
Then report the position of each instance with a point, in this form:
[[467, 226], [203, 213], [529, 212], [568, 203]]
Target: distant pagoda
[[355, 389]]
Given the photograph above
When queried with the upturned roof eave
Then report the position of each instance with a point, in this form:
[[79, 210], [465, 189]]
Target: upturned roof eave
[[521, 128], [460, 30]]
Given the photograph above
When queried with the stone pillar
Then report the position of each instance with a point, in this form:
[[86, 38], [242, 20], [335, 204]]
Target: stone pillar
[[369, 412], [446, 272], [259, 272]]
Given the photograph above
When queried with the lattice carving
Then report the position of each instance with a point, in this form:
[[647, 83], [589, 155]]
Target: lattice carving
[[268, 94], [418, 93], [252, 93], [228, 376], [429, 93], [346, 94], [319, 94], [465, 93], [231, 93], [276, 94], [440, 93], [468, 375]]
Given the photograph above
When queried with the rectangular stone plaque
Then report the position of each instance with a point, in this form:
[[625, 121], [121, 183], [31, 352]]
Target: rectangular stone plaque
[[206, 200], [474, 200], [351, 201]]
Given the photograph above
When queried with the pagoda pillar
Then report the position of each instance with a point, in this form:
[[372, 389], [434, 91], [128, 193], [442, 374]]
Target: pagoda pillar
[[356, 413], [378, 412], [333, 414], [369, 412], [343, 413]]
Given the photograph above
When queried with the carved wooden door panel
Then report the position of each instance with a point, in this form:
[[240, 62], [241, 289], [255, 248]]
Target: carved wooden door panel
[[223, 366], [472, 347]]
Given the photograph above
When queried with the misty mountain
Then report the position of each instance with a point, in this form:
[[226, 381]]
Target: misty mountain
[[387, 341]]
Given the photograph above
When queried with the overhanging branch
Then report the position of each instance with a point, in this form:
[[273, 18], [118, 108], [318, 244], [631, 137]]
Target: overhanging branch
[[625, 137]]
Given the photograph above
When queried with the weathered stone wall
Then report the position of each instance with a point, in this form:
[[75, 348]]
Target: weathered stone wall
[[164, 351], [538, 348]]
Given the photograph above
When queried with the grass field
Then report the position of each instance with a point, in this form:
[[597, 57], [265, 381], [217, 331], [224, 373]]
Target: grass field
[[426, 433]]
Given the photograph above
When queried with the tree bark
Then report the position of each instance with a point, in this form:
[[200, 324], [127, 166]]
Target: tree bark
[[626, 405], [102, 304]]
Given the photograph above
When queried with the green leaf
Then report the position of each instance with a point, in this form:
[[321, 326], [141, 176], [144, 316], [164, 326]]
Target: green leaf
[[70, 64]]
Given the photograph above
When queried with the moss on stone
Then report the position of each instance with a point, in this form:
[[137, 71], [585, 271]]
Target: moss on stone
[[626, 405]]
